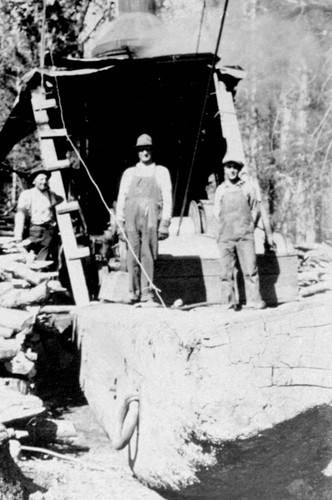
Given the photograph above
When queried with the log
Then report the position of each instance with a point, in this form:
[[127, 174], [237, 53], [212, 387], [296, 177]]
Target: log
[[16, 319], [6, 332], [11, 478], [9, 348], [15, 384], [16, 406], [16, 298], [51, 430], [23, 271], [57, 309], [313, 289], [21, 365]]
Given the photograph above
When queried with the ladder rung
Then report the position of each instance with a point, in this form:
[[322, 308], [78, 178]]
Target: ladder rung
[[56, 165], [66, 207], [52, 132], [80, 253], [41, 117], [40, 104]]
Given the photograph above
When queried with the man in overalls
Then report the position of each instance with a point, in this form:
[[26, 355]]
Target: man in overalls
[[143, 212], [237, 209]]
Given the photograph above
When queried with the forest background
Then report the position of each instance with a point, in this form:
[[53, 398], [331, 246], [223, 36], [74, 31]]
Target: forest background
[[284, 103]]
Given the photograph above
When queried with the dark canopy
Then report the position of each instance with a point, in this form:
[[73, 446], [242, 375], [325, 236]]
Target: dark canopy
[[107, 103]]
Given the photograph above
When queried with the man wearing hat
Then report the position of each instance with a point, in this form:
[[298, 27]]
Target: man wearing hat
[[144, 211], [36, 214], [237, 209]]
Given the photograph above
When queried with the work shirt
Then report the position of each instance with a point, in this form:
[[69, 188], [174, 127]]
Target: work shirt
[[163, 181], [36, 205]]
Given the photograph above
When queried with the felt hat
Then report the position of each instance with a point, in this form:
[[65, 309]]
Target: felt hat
[[144, 140], [38, 170], [233, 163]]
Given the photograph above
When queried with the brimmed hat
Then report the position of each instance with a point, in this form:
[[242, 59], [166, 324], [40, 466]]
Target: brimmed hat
[[144, 140], [38, 170], [233, 163]]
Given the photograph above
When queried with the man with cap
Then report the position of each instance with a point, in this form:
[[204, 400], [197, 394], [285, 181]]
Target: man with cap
[[144, 211], [237, 209], [36, 213]]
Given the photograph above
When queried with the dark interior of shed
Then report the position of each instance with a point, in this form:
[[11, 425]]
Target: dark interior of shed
[[171, 98]]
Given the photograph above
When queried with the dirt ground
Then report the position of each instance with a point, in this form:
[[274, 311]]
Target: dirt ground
[[95, 473], [90, 468]]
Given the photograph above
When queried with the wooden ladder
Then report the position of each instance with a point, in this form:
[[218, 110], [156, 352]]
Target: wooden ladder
[[47, 139]]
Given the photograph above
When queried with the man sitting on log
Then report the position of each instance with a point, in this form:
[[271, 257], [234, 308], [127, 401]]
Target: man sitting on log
[[36, 213]]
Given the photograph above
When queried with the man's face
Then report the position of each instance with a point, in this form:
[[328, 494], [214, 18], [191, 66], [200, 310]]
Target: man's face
[[145, 154], [41, 182], [231, 173]]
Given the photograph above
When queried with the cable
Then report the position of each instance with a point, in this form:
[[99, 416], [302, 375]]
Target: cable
[[43, 42], [203, 112], [188, 104], [200, 26], [45, 451]]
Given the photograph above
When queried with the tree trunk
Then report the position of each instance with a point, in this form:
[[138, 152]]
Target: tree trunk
[[305, 231], [11, 477]]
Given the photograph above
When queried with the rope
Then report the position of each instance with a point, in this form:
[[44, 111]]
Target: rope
[[206, 96]]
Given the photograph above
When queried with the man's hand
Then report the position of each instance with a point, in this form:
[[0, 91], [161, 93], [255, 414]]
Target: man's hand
[[270, 243], [163, 231]]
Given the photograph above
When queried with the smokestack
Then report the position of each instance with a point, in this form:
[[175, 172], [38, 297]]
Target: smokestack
[[125, 6]]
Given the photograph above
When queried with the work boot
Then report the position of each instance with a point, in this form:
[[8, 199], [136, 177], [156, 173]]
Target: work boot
[[133, 298], [149, 303], [255, 305], [148, 300]]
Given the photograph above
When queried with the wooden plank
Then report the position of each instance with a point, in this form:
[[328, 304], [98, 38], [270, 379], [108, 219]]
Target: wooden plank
[[51, 162], [75, 269], [48, 133], [57, 165], [41, 117], [229, 123], [67, 207], [39, 102], [79, 253], [197, 279]]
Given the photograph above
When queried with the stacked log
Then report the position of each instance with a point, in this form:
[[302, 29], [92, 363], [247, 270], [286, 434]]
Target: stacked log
[[315, 269]]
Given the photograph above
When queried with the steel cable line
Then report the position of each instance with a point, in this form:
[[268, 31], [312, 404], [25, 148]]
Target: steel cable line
[[191, 83], [206, 96]]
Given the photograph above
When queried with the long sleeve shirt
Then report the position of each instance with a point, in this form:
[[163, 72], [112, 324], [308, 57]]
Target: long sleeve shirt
[[36, 205], [163, 180]]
